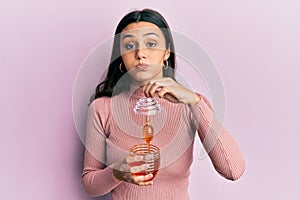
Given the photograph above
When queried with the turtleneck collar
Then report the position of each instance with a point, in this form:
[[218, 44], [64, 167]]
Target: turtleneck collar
[[135, 92]]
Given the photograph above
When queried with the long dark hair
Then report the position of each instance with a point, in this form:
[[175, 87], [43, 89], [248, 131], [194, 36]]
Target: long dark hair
[[109, 86]]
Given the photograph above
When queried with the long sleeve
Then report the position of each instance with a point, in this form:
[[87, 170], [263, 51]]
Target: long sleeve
[[217, 141], [97, 178]]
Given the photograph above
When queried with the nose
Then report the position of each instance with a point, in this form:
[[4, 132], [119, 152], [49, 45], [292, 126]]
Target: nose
[[140, 54]]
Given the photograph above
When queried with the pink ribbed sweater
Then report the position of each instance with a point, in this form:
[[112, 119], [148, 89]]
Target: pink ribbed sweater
[[113, 127]]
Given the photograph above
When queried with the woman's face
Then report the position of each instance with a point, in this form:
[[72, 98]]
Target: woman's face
[[143, 50]]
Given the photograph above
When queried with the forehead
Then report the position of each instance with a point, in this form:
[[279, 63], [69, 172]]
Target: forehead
[[140, 28]]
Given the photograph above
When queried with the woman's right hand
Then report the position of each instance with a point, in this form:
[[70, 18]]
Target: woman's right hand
[[125, 170]]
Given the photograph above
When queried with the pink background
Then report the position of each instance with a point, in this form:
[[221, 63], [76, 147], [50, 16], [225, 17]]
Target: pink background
[[255, 45]]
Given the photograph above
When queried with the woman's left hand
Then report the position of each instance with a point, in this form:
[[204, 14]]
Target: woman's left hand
[[171, 90]]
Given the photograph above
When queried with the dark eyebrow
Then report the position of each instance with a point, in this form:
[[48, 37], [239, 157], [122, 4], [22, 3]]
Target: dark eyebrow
[[150, 34], [126, 36], [146, 34]]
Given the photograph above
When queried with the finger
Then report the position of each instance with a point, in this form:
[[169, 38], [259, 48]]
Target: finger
[[139, 179], [162, 92], [139, 168], [145, 183], [154, 88], [144, 87], [132, 159], [147, 88]]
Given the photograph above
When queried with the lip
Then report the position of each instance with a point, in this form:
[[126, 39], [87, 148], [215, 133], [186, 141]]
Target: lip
[[142, 66]]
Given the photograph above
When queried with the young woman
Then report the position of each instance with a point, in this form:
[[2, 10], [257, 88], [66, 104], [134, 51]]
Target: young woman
[[143, 64]]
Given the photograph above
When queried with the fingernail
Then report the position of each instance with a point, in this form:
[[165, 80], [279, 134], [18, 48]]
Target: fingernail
[[139, 158], [149, 176]]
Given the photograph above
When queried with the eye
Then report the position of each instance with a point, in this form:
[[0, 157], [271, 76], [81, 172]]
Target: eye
[[151, 44], [130, 46]]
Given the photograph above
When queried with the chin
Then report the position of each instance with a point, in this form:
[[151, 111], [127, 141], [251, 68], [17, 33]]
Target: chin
[[141, 81], [144, 77], [141, 77]]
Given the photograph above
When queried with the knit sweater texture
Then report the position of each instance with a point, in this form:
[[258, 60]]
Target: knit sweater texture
[[113, 127]]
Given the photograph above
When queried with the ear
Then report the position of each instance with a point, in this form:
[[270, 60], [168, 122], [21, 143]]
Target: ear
[[167, 53]]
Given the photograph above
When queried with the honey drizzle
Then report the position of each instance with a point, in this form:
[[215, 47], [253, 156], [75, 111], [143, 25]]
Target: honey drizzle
[[148, 132]]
